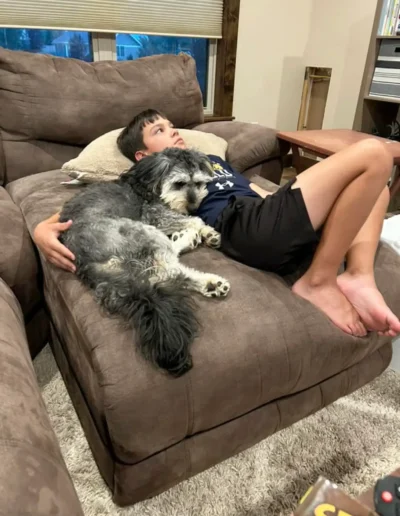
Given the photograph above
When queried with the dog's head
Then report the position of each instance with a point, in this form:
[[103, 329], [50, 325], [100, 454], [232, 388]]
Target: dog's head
[[178, 177]]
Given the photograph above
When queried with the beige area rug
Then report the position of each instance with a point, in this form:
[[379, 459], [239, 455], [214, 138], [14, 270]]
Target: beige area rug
[[352, 442]]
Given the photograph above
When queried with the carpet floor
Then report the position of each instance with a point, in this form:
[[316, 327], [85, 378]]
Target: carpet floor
[[352, 442]]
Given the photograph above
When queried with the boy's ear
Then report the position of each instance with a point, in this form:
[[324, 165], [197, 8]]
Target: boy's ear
[[140, 154]]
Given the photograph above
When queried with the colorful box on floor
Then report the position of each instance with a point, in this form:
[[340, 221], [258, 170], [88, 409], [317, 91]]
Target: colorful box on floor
[[325, 499]]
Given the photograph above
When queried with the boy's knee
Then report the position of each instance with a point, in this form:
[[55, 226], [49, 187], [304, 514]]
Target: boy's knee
[[376, 152]]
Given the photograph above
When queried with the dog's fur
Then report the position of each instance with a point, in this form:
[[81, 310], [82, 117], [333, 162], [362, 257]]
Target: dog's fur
[[119, 237]]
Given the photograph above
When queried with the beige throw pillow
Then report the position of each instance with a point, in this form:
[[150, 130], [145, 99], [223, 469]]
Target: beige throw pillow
[[101, 160]]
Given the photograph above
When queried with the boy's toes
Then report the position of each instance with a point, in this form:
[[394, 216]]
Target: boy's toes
[[393, 323], [357, 329], [361, 330]]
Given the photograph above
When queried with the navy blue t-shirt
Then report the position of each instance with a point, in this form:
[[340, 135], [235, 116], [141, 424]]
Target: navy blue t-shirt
[[226, 183]]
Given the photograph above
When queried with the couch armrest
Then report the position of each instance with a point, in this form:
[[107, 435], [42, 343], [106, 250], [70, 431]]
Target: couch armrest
[[18, 261], [33, 477], [248, 144], [2, 162]]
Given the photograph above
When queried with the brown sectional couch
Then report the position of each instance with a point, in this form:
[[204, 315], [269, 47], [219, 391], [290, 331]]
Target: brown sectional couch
[[264, 359]]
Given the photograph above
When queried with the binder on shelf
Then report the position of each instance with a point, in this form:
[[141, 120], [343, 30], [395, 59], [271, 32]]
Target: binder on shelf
[[382, 19], [388, 18], [386, 79], [388, 21]]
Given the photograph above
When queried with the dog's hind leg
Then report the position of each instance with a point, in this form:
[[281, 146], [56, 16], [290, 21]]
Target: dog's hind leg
[[208, 285], [168, 266]]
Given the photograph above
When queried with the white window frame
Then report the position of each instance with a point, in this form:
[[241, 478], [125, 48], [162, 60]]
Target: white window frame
[[104, 46], [105, 49], [212, 67]]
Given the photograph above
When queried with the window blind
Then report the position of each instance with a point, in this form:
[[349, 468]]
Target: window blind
[[191, 18]]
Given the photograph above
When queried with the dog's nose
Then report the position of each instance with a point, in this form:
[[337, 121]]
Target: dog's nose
[[191, 198], [192, 207]]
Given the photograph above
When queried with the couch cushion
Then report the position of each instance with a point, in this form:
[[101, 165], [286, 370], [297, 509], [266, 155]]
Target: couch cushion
[[259, 344], [248, 144], [61, 101]]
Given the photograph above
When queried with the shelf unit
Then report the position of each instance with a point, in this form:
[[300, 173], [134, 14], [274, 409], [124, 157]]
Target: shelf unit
[[391, 100], [374, 112]]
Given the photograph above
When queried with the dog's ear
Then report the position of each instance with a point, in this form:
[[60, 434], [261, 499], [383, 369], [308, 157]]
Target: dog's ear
[[205, 165], [146, 176]]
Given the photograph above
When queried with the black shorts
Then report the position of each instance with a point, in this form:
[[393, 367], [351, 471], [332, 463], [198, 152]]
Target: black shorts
[[274, 234]]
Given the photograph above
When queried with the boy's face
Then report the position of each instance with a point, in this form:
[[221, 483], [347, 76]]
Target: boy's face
[[158, 136]]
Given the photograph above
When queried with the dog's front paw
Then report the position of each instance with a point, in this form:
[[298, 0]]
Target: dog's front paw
[[210, 237], [186, 240], [215, 286]]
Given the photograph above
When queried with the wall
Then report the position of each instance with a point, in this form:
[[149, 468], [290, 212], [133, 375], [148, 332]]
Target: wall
[[339, 39], [269, 68], [278, 39]]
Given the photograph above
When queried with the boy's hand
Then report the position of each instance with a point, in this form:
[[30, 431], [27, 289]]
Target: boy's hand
[[46, 236]]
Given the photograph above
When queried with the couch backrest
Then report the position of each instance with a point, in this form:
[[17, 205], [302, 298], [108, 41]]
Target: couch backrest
[[52, 107]]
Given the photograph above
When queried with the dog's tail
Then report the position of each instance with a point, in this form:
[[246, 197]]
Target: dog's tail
[[163, 316]]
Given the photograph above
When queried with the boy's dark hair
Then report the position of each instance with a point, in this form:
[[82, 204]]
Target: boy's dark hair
[[130, 139]]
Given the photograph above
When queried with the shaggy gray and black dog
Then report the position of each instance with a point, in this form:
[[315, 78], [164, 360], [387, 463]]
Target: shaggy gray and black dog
[[119, 237]]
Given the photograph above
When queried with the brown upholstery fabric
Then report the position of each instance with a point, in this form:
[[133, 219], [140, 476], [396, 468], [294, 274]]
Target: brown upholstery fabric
[[33, 476], [248, 144], [279, 346], [19, 267], [133, 483], [271, 170], [28, 157], [48, 100], [37, 330], [203, 450]]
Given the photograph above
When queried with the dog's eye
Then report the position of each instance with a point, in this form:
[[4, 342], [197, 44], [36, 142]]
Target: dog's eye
[[199, 184], [180, 184]]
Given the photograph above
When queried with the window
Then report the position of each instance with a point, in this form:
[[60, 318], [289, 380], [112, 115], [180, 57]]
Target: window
[[123, 47], [61, 43], [121, 52]]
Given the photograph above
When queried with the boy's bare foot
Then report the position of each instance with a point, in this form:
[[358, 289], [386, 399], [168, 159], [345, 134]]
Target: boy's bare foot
[[363, 294], [330, 300]]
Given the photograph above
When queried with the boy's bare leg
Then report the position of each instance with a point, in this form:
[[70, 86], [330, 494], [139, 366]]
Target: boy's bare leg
[[341, 193], [358, 282]]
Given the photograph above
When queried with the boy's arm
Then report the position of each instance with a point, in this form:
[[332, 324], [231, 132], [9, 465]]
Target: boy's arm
[[46, 236], [260, 191]]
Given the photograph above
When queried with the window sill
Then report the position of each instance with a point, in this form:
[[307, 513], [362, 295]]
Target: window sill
[[212, 118]]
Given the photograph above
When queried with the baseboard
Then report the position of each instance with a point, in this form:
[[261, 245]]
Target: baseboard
[[395, 363]]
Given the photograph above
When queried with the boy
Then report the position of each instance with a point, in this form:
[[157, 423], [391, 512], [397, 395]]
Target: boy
[[333, 210]]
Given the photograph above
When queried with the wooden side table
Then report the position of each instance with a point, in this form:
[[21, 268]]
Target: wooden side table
[[324, 143]]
